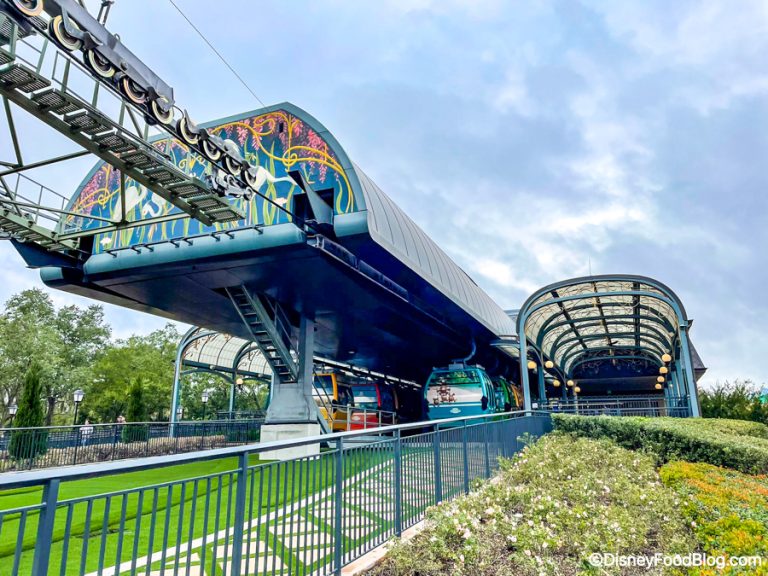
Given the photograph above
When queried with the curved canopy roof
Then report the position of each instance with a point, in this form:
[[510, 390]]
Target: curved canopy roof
[[223, 353], [603, 316]]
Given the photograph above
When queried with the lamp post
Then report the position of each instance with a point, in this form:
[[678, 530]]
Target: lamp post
[[77, 397], [205, 398], [12, 409]]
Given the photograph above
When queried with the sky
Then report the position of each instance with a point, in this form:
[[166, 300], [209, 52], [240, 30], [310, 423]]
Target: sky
[[533, 141]]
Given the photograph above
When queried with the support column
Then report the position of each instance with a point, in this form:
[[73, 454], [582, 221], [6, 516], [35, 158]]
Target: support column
[[232, 396], [524, 371], [292, 412], [542, 385], [690, 379]]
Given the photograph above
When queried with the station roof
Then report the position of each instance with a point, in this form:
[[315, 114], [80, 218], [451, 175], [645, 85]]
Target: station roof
[[223, 353], [604, 316]]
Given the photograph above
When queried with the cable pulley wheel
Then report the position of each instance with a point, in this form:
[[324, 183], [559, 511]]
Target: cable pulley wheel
[[186, 135], [132, 91], [211, 152], [99, 65], [164, 117], [30, 8], [63, 39]]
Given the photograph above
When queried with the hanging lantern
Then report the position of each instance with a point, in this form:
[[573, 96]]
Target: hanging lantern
[[657, 386], [661, 379], [570, 383], [577, 390], [549, 364], [663, 370], [556, 383], [666, 358], [531, 365]]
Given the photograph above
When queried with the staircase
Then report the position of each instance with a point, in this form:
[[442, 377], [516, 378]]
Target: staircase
[[270, 330]]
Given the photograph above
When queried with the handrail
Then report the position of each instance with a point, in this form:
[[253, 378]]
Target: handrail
[[66, 473]]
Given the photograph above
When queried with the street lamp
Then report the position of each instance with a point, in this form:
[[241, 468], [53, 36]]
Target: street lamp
[[12, 409], [77, 397], [205, 398], [179, 413]]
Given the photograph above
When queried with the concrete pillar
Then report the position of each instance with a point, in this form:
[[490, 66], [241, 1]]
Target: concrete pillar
[[292, 412]]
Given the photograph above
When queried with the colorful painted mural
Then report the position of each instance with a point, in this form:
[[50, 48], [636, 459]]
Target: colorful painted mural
[[278, 142]]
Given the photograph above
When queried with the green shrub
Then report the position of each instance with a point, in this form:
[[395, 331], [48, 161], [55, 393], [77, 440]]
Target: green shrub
[[740, 399], [728, 443], [137, 412], [560, 500], [28, 444]]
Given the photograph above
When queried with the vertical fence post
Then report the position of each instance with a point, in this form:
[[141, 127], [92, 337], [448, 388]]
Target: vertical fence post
[[338, 546], [398, 484], [487, 425], [465, 453], [114, 440], [438, 466], [237, 531], [44, 540]]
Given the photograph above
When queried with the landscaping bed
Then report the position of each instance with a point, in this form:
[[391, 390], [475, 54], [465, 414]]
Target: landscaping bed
[[549, 508], [568, 496]]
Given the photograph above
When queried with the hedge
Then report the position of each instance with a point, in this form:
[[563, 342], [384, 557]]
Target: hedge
[[718, 442]]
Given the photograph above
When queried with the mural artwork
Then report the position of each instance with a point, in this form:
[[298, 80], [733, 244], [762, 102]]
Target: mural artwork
[[277, 142]]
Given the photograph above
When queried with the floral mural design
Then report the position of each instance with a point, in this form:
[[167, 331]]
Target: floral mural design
[[278, 142]]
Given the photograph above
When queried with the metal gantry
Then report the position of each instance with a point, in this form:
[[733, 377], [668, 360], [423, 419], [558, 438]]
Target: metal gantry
[[61, 65]]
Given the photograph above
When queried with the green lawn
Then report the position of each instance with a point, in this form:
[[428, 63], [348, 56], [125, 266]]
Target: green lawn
[[186, 501]]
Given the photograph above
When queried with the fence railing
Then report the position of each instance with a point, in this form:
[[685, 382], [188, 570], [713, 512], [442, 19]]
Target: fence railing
[[345, 418], [246, 516], [51, 446], [622, 406]]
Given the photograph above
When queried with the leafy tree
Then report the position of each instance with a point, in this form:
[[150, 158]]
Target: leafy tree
[[26, 444], [137, 412], [740, 400], [253, 396], [65, 344], [149, 358]]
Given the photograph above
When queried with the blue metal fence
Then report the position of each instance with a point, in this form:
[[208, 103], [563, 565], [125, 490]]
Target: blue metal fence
[[652, 406], [52, 446], [307, 515]]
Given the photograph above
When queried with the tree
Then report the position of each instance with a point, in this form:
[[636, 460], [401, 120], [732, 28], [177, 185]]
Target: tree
[[740, 400], [149, 358], [65, 343], [137, 412], [27, 444]]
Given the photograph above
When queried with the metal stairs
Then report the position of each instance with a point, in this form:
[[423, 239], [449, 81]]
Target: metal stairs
[[270, 330]]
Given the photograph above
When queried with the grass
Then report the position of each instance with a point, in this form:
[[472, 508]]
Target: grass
[[186, 501], [555, 503]]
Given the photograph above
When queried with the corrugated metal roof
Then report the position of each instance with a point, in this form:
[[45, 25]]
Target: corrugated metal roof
[[390, 227]]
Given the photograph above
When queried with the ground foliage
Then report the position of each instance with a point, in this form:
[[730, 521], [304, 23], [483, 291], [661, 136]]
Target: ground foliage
[[734, 444], [550, 507]]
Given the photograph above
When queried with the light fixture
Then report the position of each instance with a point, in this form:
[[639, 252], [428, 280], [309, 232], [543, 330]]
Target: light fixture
[[657, 386], [661, 379], [239, 381], [663, 370], [666, 358], [531, 365], [556, 383], [205, 396], [577, 390], [570, 382], [77, 396], [12, 409], [549, 364]]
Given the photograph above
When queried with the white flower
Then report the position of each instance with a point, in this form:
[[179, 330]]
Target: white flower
[[467, 534]]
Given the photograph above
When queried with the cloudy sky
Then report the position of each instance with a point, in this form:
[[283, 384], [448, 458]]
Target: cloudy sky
[[532, 140]]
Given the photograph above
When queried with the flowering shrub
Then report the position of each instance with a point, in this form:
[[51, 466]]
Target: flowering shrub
[[555, 503], [730, 443], [727, 510]]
